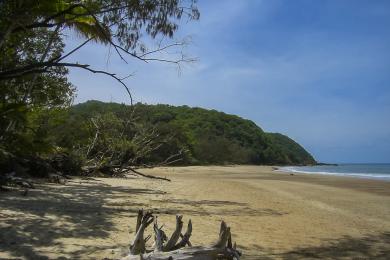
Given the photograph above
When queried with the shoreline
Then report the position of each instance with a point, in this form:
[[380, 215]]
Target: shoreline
[[271, 214], [363, 175]]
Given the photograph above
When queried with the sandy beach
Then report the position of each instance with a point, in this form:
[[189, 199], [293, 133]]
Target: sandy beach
[[272, 215]]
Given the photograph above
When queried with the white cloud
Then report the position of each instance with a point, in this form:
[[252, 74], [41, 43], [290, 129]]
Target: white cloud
[[308, 89]]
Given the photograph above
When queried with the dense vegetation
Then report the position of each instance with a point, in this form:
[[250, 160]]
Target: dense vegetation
[[41, 133], [204, 136], [34, 88]]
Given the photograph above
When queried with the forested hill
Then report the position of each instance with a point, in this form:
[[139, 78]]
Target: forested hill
[[206, 136]]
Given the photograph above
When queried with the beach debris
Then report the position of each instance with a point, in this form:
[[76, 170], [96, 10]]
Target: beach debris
[[178, 246]]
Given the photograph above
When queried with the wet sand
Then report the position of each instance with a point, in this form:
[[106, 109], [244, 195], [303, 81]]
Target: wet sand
[[272, 215]]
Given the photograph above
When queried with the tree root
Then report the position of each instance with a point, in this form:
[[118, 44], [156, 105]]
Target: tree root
[[174, 247]]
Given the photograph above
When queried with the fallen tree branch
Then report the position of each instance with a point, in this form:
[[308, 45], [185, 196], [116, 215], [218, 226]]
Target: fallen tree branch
[[147, 175]]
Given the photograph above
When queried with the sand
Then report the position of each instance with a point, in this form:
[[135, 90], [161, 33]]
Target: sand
[[272, 215]]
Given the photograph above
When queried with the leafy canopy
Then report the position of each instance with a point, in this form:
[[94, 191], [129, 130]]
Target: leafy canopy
[[205, 136], [33, 70]]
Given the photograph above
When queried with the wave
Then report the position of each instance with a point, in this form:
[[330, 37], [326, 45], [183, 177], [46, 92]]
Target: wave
[[351, 174]]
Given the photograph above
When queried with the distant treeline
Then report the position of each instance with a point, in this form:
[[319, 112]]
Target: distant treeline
[[203, 136]]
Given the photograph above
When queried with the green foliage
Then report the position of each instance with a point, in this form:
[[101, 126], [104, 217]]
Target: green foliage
[[206, 136], [28, 103], [34, 87], [35, 95], [292, 151]]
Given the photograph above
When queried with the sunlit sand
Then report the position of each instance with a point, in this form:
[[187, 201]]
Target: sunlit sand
[[271, 214]]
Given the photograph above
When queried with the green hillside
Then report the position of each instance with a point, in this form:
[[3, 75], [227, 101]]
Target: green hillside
[[206, 136]]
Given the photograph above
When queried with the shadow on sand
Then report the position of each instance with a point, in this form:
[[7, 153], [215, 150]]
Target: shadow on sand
[[84, 211], [368, 247], [47, 215], [213, 208]]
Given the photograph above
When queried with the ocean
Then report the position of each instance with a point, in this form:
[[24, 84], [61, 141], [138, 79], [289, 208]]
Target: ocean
[[368, 171]]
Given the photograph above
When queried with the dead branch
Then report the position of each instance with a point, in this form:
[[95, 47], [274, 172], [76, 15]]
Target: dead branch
[[147, 175], [222, 249], [175, 235], [143, 221], [185, 239]]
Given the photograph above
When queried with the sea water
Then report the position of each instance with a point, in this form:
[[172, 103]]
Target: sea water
[[369, 171]]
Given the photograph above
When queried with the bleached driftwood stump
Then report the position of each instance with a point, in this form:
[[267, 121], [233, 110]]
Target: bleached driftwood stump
[[175, 248]]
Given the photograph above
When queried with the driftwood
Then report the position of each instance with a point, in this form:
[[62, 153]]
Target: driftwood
[[175, 248]]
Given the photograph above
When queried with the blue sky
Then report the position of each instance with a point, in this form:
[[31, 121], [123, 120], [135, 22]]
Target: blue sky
[[317, 71]]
